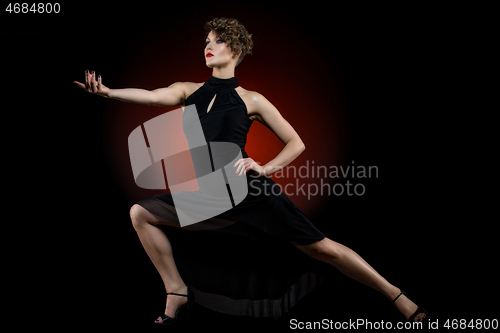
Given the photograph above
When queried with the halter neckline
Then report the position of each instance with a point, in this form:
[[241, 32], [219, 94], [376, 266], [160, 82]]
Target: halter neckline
[[221, 84]]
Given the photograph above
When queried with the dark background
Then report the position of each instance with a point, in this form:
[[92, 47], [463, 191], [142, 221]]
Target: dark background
[[400, 87]]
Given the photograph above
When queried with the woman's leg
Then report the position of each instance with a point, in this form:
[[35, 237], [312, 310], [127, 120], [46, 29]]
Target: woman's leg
[[159, 250], [351, 264]]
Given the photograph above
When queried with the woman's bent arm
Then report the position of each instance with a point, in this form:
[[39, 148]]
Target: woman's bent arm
[[263, 111]]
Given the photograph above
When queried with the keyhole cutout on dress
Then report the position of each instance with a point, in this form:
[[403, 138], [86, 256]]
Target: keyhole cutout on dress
[[211, 103]]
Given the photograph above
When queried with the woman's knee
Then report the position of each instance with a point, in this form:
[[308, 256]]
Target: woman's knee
[[138, 215]]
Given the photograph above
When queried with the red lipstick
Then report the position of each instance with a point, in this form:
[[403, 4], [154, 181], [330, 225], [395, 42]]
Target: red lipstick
[[209, 55]]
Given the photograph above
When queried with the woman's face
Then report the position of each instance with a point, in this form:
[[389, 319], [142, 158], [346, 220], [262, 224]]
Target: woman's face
[[217, 52]]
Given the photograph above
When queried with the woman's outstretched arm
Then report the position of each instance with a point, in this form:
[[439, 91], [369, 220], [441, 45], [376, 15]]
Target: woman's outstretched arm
[[169, 96]]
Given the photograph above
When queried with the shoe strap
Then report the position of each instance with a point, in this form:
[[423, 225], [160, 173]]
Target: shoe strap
[[177, 294], [402, 292]]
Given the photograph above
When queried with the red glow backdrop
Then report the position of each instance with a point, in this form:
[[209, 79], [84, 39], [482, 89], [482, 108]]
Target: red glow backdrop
[[302, 85]]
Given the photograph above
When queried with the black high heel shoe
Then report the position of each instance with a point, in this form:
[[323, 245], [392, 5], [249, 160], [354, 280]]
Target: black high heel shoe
[[416, 313], [182, 312]]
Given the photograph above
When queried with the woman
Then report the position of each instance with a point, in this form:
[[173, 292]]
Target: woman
[[226, 112]]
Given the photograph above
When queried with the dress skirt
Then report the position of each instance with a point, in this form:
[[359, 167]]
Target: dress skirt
[[242, 262]]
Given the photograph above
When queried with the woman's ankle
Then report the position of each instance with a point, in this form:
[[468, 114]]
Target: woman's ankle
[[178, 289], [392, 293]]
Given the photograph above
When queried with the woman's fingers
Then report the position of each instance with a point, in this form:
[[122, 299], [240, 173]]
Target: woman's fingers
[[81, 85], [243, 165], [238, 165], [94, 82], [87, 80], [91, 83], [243, 170]]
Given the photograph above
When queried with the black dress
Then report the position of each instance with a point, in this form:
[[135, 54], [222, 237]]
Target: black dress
[[240, 261]]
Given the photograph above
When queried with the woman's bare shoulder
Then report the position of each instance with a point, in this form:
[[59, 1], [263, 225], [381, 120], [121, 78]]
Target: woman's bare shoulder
[[254, 101], [189, 87]]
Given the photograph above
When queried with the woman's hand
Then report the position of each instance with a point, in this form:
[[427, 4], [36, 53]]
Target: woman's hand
[[92, 85], [246, 164]]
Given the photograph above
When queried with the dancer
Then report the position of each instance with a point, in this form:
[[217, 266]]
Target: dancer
[[226, 111]]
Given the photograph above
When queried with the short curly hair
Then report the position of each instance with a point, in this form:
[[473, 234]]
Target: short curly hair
[[233, 33]]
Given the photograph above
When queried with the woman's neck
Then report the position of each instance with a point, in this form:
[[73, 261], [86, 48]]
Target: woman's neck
[[223, 72]]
